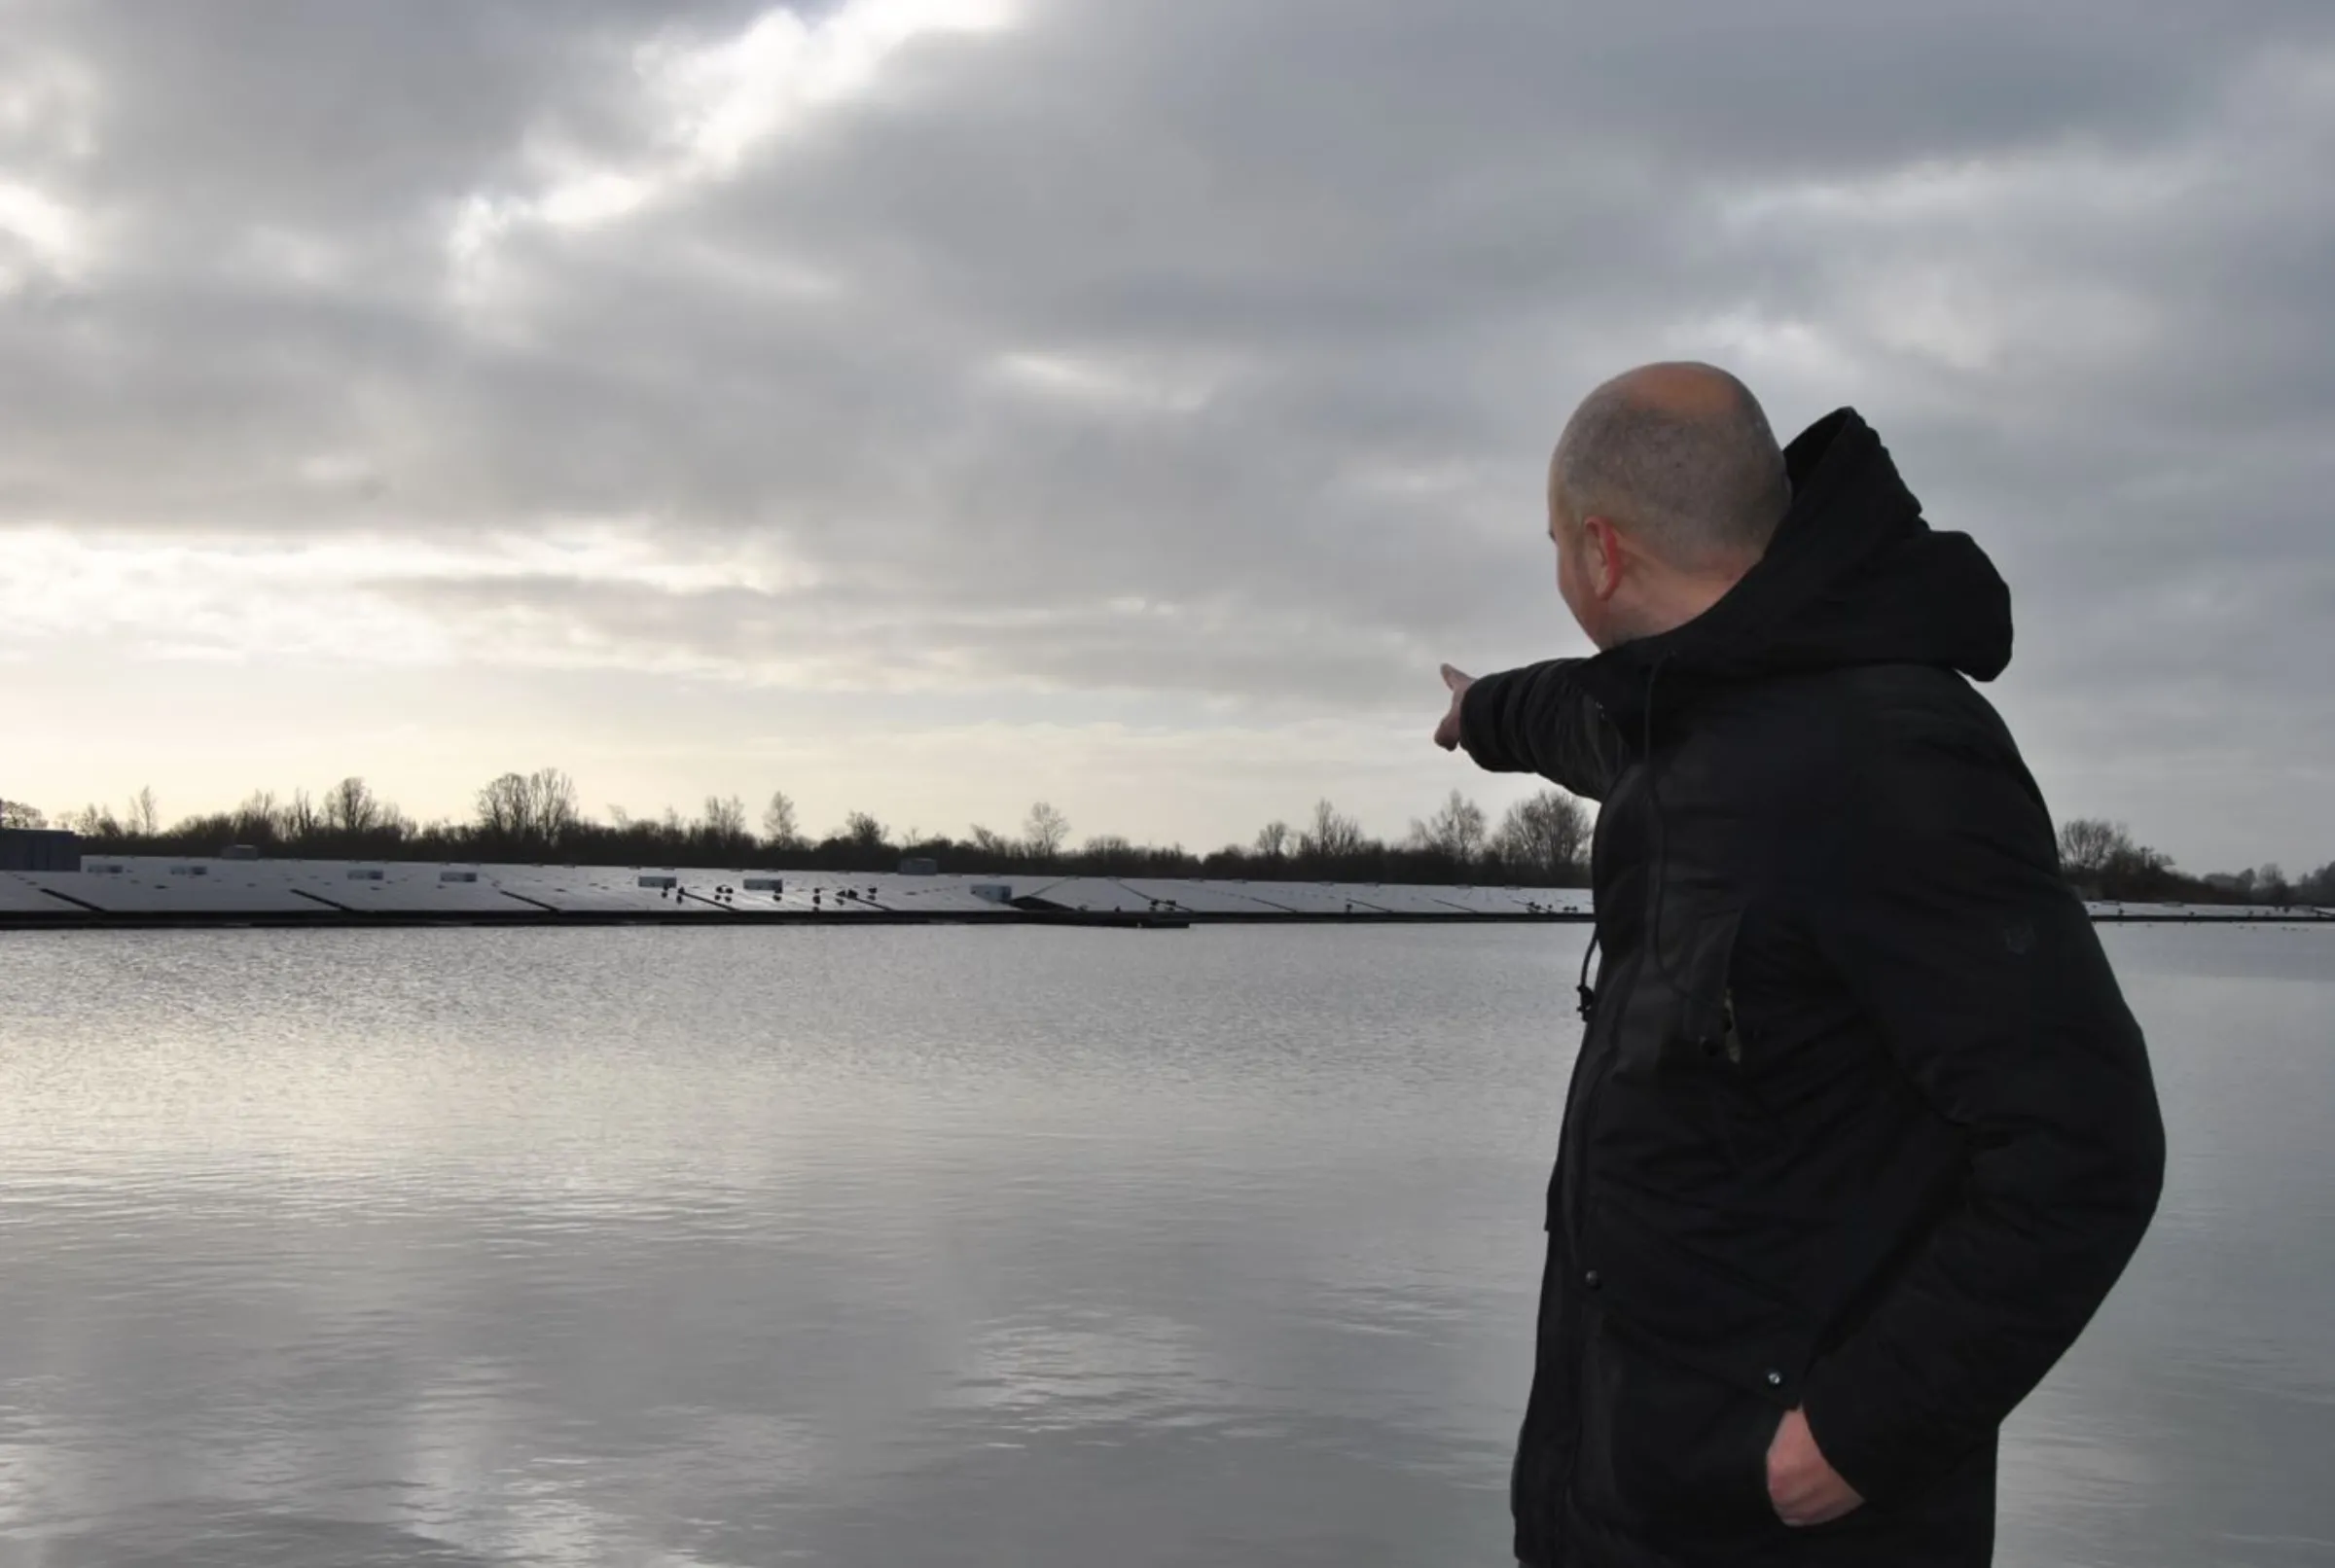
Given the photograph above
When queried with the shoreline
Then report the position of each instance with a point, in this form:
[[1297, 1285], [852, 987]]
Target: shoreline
[[178, 893]]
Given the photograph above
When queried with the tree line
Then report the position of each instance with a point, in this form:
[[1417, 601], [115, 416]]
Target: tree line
[[538, 817], [2103, 860], [532, 817]]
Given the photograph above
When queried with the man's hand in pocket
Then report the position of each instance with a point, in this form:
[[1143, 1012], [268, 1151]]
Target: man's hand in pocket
[[1804, 1487]]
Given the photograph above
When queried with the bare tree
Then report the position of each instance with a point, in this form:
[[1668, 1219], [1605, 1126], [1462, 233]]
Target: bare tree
[[300, 818], [2089, 845], [505, 807], [1544, 839], [862, 831], [145, 816], [781, 829], [531, 809], [258, 820], [1331, 834], [1273, 840], [2101, 857], [724, 824], [351, 807], [990, 841], [1045, 830], [93, 821], [1456, 831], [16, 814], [556, 811]]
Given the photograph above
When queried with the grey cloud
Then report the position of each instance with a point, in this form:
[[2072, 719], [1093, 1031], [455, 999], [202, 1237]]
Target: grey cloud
[[1332, 271], [843, 635]]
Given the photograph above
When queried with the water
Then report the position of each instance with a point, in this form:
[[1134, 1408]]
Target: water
[[908, 1247]]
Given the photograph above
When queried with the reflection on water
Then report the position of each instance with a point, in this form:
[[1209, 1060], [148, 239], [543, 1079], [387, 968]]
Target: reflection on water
[[959, 1247]]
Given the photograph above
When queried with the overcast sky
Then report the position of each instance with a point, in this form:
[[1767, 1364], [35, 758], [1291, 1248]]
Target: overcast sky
[[925, 406]]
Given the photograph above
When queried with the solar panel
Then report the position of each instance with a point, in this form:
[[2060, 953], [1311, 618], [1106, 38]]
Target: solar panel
[[21, 897]]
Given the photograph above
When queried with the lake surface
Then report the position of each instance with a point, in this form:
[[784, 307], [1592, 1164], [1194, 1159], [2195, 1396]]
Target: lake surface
[[905, 1247]]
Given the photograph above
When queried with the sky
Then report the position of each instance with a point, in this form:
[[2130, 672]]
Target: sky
[[925, 406]]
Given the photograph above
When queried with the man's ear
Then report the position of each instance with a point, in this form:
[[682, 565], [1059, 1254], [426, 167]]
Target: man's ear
[[1602, 547]]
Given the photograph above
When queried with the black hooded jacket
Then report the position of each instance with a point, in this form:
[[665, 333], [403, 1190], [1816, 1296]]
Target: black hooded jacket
[[1860, 1124]]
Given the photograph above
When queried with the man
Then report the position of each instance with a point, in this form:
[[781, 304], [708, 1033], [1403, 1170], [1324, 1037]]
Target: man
[[1860, 1132]]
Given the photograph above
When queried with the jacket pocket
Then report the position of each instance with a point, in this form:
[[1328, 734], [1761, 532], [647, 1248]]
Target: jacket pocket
[[1694, 1306], [1680, 1455]]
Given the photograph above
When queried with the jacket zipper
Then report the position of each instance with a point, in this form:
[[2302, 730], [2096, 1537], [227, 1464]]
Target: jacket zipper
[[1575, 1212]]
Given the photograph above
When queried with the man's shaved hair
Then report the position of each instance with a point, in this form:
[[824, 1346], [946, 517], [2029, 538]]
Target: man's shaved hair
[[1680, 457]]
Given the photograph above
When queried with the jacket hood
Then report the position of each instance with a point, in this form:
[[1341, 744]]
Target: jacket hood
[[1853, 576]]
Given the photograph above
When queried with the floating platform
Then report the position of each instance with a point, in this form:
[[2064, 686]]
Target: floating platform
[[149, 891]]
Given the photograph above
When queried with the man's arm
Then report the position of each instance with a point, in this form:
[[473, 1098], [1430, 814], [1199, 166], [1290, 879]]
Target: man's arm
[[1534, 721], [1957, 933]]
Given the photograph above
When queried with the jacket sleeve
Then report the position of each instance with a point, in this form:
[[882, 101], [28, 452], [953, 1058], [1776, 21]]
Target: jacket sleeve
[[1535, 720], [1949, 919]]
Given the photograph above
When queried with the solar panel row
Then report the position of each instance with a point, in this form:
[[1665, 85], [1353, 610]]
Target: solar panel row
[[156, 887]]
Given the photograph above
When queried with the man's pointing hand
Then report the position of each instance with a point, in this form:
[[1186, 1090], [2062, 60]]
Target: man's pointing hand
[[1447, 733]]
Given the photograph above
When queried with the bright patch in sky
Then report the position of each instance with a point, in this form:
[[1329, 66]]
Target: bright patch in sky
[[724, 99], [41, 232], [1096, 381], [715, 104], [362, 599]]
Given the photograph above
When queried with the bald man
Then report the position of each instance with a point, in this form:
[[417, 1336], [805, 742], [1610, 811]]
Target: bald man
[[1860, 1131]]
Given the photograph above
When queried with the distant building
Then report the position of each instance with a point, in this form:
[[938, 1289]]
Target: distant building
[[39, 849], [920, 866]]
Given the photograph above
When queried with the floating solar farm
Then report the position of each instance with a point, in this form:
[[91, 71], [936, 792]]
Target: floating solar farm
[[155, 891], [139, 890]]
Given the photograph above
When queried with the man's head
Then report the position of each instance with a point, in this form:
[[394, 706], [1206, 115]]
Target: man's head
[[1664, 489]]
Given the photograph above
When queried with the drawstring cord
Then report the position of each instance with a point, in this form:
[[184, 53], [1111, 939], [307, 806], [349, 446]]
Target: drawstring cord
[[1582, 989]]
